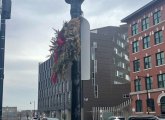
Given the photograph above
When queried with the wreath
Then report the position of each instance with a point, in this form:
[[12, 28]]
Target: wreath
[[65, 48]]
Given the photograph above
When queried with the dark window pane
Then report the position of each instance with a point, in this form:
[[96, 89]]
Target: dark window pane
[[151, 105], [134, 29], [138, 105], [148, 81], [159, 58], [157, 17], [161, 80], [147, 62], [146, 42], [145, 23], [136, 65], [135, 46], [137, 85], [158, 36]]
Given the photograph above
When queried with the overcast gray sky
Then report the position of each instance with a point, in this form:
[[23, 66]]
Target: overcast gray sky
[[28, 35]]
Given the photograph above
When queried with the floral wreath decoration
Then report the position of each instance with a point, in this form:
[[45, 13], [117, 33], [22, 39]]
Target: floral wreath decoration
[[65, 48]]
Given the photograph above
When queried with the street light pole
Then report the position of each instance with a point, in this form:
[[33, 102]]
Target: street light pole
[[147, 102], [64, 105], [147, 94], [2, 52], [76, 68], [5, 14], [34, 108]]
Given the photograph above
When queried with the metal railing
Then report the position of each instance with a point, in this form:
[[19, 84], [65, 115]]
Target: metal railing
[[122, 109]]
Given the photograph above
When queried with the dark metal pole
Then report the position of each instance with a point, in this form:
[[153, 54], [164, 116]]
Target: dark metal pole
[[64, 105], [147, 94], [76, 68], [34, 108], [147, 102], [5, 14], [2, 52], [76, 91], [147, 97]]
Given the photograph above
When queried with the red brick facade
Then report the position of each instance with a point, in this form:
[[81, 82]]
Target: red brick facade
[[156, 93]]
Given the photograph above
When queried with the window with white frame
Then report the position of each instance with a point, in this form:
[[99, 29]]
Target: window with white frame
[[157, 17], [135, 46], [160, 58], [134, 29], [145, 23], [158, 36], [146, 42]]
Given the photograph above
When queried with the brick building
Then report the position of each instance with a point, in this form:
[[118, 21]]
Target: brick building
[[109, 77], [146, 36]]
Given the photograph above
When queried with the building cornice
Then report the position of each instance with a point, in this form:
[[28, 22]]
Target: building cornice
[[149, 91], [147, 29], [153, 2]]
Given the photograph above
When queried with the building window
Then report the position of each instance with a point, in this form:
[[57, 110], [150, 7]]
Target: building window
[[157, 17], [158, 36], [92, 53], [136, 65], [135, 46], [150, 105], [148, 81], [159, 58], [96, 91], [114, 61], [67, 86], [145, 23], [146, 42], [137, 85], [161, 80], [117, 82], [147, 62], [138, 105], [134, 29], [69, 97], [121, 74], [121, 64]]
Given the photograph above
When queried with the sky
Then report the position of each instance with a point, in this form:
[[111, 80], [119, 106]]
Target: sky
[[28, 35]]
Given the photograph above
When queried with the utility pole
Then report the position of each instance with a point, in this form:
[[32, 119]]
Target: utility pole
[[76, 67], [80, 69], [147, 95], [34, 108], [64, 106], [5, 14]]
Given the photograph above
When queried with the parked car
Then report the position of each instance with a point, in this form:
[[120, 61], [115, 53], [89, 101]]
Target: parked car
[[35, 118], [46, 118], [161, 117], [116, 118], [144, 117]]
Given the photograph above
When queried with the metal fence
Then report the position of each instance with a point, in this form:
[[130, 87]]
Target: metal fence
[[102, 113]]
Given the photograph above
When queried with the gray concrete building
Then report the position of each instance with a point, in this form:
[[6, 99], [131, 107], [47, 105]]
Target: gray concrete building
[[109, 78], [9, 113]]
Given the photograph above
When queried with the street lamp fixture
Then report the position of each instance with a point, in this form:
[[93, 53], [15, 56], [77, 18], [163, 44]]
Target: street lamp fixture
[[34, 108]]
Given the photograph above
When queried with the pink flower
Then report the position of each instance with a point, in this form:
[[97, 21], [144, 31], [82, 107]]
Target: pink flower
[[54, 78], [60, 41], [55, 56]]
